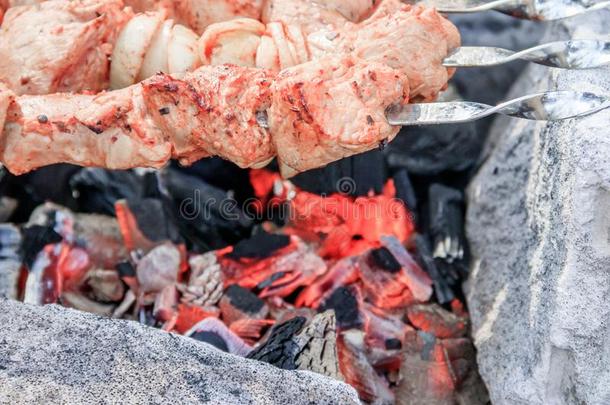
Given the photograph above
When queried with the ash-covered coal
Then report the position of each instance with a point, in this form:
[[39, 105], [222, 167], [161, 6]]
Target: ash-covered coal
[[211, 338]]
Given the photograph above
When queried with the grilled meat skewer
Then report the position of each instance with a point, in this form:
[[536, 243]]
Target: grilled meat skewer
[[317, 112], [413, 39], [198, 14]]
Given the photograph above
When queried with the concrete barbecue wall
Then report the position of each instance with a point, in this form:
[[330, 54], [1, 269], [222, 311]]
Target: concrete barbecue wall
[[52, 354], [538, 223]]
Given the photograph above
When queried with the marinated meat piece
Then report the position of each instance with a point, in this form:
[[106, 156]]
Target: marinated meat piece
[[309, 15], [67, 51], [198, 14], [317, 112], [413, 39], [109, 130], [212, 111], [323, 111]]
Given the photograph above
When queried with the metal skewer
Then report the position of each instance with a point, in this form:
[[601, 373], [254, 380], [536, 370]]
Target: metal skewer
[[547, 106], [540, 10], [574, 54]]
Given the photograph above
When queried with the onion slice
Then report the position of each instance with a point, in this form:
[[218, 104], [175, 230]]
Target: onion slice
[[130, 48], [234, 41], [156, 57], [182, 50]]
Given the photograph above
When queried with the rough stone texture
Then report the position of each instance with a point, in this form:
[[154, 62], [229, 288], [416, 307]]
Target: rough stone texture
[[538, 222], [55, 355]]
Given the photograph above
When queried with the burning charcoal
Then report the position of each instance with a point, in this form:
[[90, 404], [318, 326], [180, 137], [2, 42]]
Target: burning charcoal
[[439, 371], [78, 301], [205, 286], [297, 265], [446, 222], [442, 291], [189, 315], [233, 342], [418, 281], [436, 320], [239, 303], [211, 338], [317, 344], [345, 303], [358, 372], [35, 237], [384, 259], [433, 370], [259, 246], [145, 224], [426, 377], [366, 171], [165, 304], [280, 349], [159, 268], [405, 192], [250, 330], [344, 272], [383, 288], [10, 260], [207, 216], [383, 339], [105, 285]]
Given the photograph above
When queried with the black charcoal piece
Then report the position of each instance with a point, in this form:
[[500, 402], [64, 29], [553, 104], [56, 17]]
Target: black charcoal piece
[[405, 192], [259, 246], [446, 222], [393, 344], [208, 217], [356, 175], [36, 237], [153, 221], [268, 281], [442, 291], [125, 269], [211, 338], [343, 301], [434, 149], [97, 190], [280, 349], [384, 259], [243, 299]]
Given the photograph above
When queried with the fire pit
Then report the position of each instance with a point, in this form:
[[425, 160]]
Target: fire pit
[[235, 285]]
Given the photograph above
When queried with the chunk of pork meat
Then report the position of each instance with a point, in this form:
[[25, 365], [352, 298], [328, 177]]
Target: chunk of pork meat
[[318, 112], [322, 113], [59, 45]]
